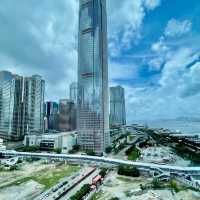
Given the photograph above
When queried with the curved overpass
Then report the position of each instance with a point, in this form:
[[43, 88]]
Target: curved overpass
[[111, 161]]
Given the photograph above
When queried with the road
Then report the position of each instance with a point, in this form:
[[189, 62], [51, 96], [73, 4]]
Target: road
[[88, 180], [110, 161], [50, 194]]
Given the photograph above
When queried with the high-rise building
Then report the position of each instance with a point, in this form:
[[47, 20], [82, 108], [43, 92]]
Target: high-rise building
[[34, 88], [93, 115], [21, 105], [67, 115], [73, 88], [117, 106], [51, 113], [11, 106]]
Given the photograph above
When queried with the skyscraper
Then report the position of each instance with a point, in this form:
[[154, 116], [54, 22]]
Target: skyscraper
[[117, 106], [67, 115], [21, 105], [11, 106], [93, 116], [51, 113], [73, 89], [34, 88]]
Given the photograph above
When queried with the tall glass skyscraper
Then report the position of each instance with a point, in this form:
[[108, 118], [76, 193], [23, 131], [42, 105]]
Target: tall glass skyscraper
[[51, 113], [117, 106], [34, 88], [93, 116], [67, 115], [73, 88], [11, 106], [21, 105]]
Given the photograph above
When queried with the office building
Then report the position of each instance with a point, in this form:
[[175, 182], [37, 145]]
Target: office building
[[49, 141], [2, 146], [51, 114], [73, 89], [67, 115], [11, 86], [34, 88], [21, 105], [117, 106], [93, 115]]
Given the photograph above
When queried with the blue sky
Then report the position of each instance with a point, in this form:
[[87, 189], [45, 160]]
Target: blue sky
[[153, 50]]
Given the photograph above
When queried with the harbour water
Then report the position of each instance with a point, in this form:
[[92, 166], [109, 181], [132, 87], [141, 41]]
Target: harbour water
[[183, 126]]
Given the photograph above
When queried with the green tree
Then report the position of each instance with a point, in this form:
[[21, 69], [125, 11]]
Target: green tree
[[128, 171], [156, 183], [58, 150], [173, 185], [103, 172], [90, 153], [108, 149], [81, 193]]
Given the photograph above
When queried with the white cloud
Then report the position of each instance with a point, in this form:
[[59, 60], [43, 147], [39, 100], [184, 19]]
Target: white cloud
[[160, 46], [151, 4], [125, 19], [40, 37], [177, 28], [121, 72], [177, 93], [155, 64]]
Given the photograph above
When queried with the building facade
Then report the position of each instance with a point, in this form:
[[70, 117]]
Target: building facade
[[34, 89], [117, 106], [67, 115], [11, 103], [49, 141], [51, 114], [21, 105], [93, 115], [73, 89]]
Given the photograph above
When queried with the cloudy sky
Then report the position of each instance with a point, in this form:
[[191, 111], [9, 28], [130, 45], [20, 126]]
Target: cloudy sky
[[154, 50]]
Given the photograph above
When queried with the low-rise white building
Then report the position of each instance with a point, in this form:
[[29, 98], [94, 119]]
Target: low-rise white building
[[2, 146], [48, 141]]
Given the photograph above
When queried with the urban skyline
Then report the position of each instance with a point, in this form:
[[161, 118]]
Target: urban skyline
[[140, 58], [99, 99]]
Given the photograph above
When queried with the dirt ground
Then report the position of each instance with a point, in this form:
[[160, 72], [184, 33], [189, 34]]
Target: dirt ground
[[32, 178], [129, 189], [25, 191]]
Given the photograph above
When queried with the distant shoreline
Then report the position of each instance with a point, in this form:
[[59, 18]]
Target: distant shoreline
[[178, 125]]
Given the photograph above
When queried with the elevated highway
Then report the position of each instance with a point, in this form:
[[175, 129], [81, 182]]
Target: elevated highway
[[111, 161]]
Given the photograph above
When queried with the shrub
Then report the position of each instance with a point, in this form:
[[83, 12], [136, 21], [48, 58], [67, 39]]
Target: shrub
[[128, 171], [81, 193], [90, 153], [156, 183], [58, 150], [108, 149], [103, 172]]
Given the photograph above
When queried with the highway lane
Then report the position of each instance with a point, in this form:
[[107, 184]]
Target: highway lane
[[111, 161], [88, 180]]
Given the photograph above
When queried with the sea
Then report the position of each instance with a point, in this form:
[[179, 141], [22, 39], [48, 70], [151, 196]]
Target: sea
[[179, 126]]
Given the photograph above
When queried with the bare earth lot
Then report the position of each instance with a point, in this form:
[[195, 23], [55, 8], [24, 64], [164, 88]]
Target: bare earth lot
[[32, 179], [126, 188]]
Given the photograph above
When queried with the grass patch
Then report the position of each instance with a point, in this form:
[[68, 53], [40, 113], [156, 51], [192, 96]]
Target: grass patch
[[47, 177], [124, 179], [51, 177], [97, 195], [131, 137], [134, 154]]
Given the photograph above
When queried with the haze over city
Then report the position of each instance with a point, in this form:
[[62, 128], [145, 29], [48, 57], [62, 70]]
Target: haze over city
[[153, 51]]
